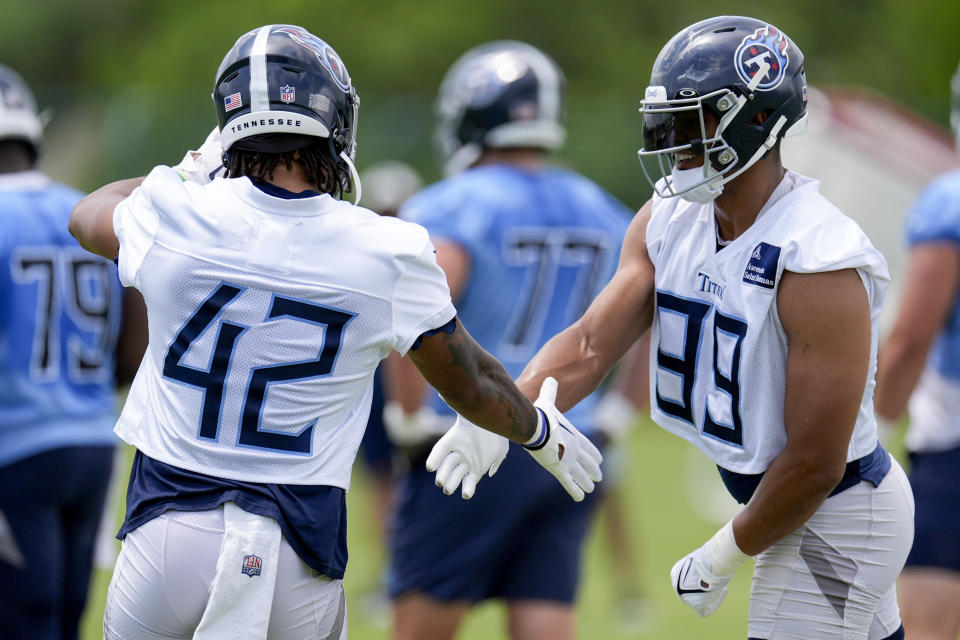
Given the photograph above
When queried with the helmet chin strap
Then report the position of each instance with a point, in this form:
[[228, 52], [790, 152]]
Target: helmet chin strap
[[354, 176]]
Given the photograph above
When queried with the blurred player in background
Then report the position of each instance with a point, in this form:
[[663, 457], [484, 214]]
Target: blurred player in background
[[60, 318], [762, 299], [525, 247], [271, 302], [386, 186], [919, 368]]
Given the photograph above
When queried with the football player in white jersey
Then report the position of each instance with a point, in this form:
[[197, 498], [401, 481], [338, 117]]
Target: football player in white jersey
[[762, 299], [919, 369], [270, 303]]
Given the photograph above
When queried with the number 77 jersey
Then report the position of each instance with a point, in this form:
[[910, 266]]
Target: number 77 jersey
[[268, 316], [718, 350]]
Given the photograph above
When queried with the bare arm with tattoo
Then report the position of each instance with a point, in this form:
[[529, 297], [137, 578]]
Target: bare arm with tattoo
[[475, 384]]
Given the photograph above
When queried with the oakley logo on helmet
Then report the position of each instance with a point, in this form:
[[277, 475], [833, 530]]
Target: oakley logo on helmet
[[766, 45], [325, 54]]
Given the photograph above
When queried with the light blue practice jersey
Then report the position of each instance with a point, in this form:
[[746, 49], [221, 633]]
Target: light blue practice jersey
[[59, 318], [936, 218], [541, 243]]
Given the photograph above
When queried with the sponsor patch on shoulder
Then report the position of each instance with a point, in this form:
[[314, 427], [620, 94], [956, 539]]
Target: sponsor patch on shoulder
[[762, 268]]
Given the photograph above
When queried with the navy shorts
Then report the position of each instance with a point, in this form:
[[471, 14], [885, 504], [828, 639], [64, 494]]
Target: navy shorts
[[935, 478], [519, 537], [53, 502]]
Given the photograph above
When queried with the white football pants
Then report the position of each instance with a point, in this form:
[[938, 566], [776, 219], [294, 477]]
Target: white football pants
[[834, 578], [165, 571]]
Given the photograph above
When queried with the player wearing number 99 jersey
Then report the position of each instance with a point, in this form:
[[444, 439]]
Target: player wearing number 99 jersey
[[762, 300], [270, 304]]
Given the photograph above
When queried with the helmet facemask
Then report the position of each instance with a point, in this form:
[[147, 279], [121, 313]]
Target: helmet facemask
[[677, 130]]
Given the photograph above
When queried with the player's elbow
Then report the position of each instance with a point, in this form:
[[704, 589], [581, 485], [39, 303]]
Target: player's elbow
[[75, 224], [823, 473]]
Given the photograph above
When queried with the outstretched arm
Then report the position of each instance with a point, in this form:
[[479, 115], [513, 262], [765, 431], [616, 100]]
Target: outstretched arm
[[475, 384], [581, 356], [91, 221]]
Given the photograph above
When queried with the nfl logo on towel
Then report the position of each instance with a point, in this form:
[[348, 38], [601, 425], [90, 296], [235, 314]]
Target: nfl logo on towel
[[251, 565]]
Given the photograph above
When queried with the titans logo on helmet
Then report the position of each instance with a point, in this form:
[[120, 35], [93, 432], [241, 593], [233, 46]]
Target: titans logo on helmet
[[325, 54], [766, 45]]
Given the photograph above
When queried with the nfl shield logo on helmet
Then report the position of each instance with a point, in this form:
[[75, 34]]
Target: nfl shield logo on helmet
[[252, 565], [287, 94], [766, 45]]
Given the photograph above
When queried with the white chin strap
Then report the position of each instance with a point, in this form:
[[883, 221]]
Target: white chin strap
[[354, 176], [684, 179]]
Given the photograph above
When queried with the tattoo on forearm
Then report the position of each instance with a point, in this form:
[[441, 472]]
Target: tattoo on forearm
[[504, 405]]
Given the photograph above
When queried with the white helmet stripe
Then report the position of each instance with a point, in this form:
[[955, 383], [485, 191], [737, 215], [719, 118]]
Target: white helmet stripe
[[549, 81], [259, 97]]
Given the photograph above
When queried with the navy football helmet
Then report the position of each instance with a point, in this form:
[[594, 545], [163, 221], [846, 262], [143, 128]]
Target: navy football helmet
[[724, 71], [19, 119], [499, 95], [280, 87]]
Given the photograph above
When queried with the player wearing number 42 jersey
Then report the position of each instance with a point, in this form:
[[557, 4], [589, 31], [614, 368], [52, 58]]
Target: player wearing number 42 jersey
[[270, 304], [762, 300]]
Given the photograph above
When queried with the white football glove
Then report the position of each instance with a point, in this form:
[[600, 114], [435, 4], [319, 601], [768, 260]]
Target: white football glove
[[578, 468], [464, 454], [410, 430], [700, 579], [202, 165], [696, 585]]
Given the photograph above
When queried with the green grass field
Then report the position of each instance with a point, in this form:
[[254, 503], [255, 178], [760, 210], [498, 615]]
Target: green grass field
[[661, 475]]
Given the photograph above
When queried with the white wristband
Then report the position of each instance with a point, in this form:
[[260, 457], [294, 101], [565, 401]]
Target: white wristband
[[723, 553]]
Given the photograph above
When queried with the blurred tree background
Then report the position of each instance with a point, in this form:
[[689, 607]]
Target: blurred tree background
[[129, 81]]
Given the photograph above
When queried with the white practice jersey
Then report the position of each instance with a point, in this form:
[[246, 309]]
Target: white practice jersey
[[267, 319], [719, 353]]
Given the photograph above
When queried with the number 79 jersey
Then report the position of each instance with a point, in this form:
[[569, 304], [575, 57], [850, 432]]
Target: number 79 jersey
[[267, 317], [718, 350]]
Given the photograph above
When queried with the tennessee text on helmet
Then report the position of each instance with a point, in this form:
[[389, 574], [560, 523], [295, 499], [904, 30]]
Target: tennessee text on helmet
[[727, 71], [503, 94], [19, 119]]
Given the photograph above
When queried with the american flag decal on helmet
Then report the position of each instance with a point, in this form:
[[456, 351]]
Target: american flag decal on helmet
[[232, 102]]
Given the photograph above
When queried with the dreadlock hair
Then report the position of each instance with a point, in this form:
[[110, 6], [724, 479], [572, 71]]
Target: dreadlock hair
[[322, 168]]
